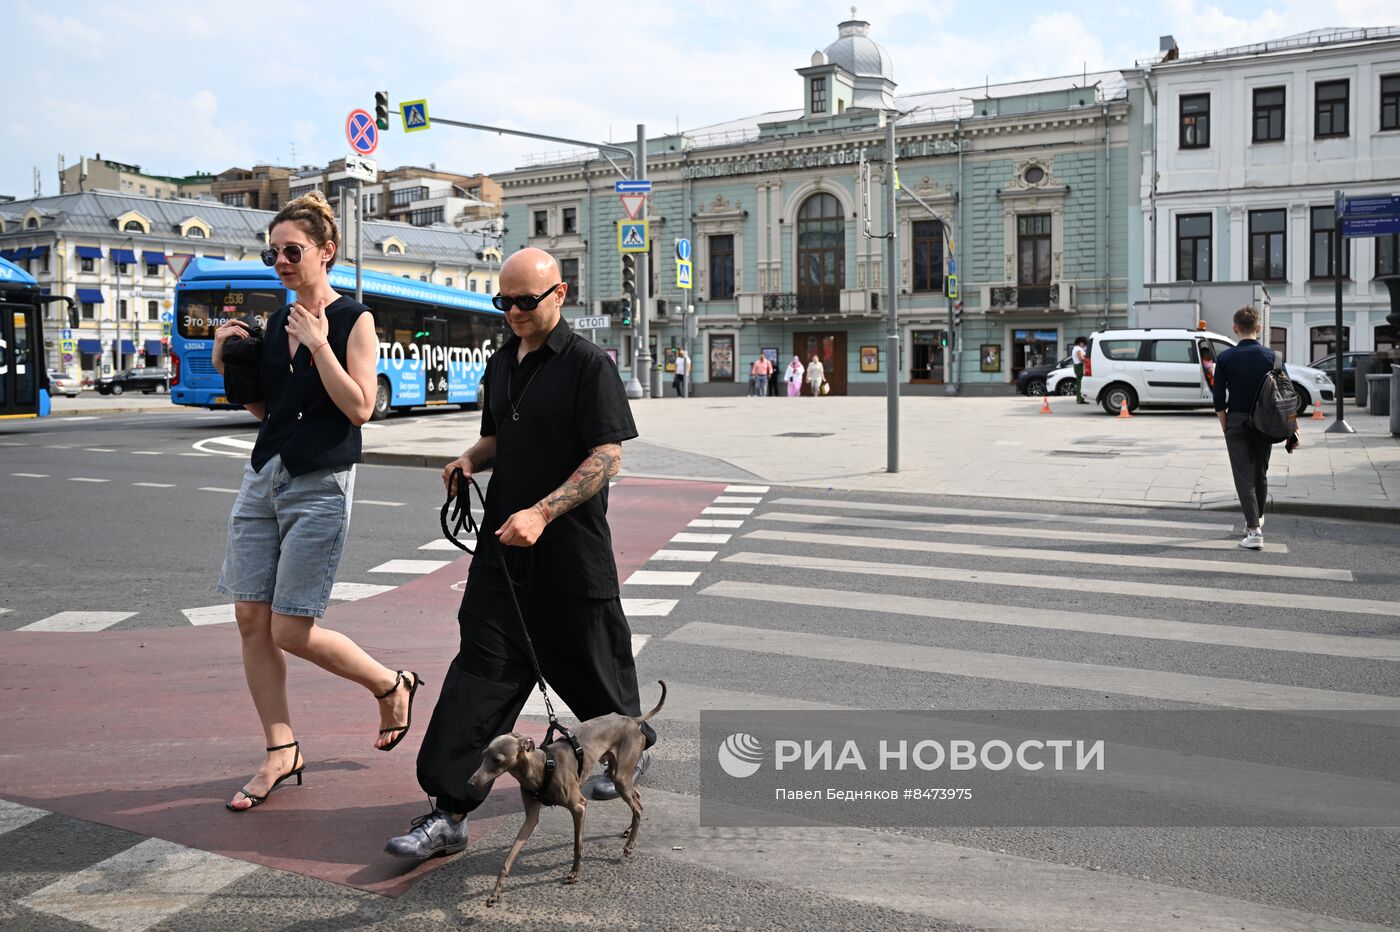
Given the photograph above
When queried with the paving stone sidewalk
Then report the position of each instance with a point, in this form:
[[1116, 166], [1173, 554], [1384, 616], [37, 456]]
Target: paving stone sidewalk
[[1000, 447]]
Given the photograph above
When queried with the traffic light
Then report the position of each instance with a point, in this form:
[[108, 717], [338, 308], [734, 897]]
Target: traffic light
[[381, 110], [957, 314], [629, 287], [73, 316]]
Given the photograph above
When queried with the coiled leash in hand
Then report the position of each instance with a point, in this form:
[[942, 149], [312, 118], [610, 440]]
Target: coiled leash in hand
[[459, 503]]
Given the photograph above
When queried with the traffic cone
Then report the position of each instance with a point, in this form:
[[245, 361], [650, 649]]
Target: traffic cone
[[1123, 409], [1317, 414], [1045, 404]]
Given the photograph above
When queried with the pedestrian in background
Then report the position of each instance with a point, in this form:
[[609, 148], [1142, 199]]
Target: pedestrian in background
[[758, 372], [1239, 371], [1077, 357], [288, 524], [773, 376], [682, 370], [816, 375], [795, 370]]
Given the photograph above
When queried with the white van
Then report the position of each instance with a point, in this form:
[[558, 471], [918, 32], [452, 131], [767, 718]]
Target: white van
[[1171, 368]]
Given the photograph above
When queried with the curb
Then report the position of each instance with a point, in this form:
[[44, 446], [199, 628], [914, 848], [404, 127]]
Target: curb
[[1379, 513], [104, 411]]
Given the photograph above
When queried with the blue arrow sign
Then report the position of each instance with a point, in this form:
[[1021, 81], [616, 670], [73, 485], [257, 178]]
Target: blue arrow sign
[[683, 249], [632, 187]]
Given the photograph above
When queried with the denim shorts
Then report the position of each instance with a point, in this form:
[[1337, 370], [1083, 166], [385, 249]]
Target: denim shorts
[[285, 537]]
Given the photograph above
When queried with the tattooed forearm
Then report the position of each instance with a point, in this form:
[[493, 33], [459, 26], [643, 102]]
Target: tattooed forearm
[[592, 476]]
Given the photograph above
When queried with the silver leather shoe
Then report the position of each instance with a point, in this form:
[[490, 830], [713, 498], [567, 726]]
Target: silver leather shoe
[[432, 834], [600, 786]]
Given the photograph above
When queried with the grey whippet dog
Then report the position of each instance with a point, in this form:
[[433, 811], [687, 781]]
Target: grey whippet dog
[[616, 740]]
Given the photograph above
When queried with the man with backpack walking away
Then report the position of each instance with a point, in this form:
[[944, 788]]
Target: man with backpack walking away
[[1258, 407]]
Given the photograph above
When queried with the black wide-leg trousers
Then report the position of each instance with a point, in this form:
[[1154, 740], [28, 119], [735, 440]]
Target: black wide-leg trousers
[[584, 648]]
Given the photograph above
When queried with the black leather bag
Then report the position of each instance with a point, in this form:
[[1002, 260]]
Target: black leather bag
[[242, 358]]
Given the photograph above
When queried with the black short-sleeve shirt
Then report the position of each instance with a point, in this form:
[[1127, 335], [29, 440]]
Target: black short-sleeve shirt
[[547, 412]]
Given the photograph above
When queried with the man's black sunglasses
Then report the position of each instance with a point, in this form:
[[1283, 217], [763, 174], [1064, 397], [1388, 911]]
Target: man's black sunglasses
[[505, 302], [293, 252]]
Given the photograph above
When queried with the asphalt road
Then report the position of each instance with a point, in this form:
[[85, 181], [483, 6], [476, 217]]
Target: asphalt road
[[796, 599]]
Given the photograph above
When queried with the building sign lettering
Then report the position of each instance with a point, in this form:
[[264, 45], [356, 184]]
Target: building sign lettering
[[849, 156]]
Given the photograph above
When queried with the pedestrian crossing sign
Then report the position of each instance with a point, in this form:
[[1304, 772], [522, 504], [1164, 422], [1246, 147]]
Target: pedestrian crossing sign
[[633, 236], [683, 270], [415, 115]]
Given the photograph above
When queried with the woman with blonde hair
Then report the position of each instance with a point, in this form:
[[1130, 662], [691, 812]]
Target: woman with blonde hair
[[816, 375], [316, 372]]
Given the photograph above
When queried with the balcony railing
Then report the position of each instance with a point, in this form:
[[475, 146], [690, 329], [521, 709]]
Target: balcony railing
[[803, 302], [1034, 297]]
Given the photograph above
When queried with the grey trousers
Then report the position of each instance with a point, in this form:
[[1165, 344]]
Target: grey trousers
[[1249, 462]]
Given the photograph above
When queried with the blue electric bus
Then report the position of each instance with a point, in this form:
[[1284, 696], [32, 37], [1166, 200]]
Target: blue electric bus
[[433, 341], [24, 378]]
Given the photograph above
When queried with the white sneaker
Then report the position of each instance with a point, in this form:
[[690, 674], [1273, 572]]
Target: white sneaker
[[1253, 540], [1261, 522]]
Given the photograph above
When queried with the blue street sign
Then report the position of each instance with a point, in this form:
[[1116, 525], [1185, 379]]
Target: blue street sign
[[67, 334], [1370, 226], [415, 115], [632, 187], [167, 317], [361, 131], [683, 249], [1369, 216], [952, 265]]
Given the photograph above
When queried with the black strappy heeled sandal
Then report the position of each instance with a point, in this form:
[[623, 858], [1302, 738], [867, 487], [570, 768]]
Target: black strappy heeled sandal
[[298, 765], [412, 691]]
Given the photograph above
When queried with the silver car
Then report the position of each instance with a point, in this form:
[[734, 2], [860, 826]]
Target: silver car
[[61, 384]]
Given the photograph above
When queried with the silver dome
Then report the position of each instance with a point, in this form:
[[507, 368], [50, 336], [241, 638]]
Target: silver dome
[[855, 51]]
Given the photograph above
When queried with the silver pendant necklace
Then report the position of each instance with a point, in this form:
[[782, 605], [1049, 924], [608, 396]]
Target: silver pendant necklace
[[515, 405]]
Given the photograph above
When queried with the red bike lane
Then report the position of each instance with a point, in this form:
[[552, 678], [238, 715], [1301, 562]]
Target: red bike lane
[[152, 730]]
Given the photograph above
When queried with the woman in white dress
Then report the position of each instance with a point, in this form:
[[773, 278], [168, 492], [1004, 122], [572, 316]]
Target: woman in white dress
[[816, 375], [794, 377]]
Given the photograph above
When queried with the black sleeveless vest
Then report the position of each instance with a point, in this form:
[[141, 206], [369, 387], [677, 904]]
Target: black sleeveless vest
[[303, 424]]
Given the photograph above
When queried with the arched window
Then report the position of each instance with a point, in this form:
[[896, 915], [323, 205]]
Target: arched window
[[821, 253], [194, 233], [32, 223], [133, 226]]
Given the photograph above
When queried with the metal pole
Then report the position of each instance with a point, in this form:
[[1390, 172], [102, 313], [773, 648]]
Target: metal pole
[[643, 278], [117, 322], [1340, 425], [359, 246], [689, 318], [891, 307]]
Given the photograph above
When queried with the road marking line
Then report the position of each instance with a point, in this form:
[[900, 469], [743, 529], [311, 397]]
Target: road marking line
[[418, 567], [13, 816], [221, 614], [829, 503], [442, 544], [1044, 535], [86, 479], [976, 888], [738, 500], [372, 501], [1301, 642], [535, 704], [1079, 586], [727, 511], [196, 454], [147, 452], [648, 608], [355, 591], [747, 489], [81, 417], [1063, 674], [685, 556], [215, 488], [155, 485], [661, 578], [99, 450], [712, 522], [59, 446], [31, 475], [140, 887], [12, 443], [218, 445], [687, 538], [1149, 561], [78, 621]]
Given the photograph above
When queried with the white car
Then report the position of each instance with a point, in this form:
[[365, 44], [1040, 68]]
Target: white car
[[1169, 368], [1060, 381]]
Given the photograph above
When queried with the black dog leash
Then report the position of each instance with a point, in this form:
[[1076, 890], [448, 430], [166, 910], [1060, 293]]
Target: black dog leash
[[462, 519]]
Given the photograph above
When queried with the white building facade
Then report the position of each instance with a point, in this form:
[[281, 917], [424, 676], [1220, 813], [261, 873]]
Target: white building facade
[[1247, 148]]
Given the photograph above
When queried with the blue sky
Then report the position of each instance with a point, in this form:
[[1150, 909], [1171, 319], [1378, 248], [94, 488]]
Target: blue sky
[[178, 87]]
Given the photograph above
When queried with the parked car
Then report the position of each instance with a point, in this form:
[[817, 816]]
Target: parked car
[[63, 384], [1328, 364], [1031, 381], [147, 381], [1061, 381], [1164, 367]]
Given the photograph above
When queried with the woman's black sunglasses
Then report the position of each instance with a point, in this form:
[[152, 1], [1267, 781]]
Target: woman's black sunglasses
[[293, 252], [505, 302]]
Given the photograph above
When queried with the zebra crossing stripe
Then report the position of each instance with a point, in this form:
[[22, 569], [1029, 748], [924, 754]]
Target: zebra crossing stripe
[[746, 489], [1064, 674], [688, 538], [647, 608], [418, 567], [1301, 642], [1149, 561], [738, 500], [684, 556], [78, 621], [14, 815], [1035, 533], [829, 504], [714, 510], [1078, 585], [221, 614], [661, 578], [712, 522], [138, 888]]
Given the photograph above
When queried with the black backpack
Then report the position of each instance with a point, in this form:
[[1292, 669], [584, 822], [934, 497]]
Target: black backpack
[[1274, 414]]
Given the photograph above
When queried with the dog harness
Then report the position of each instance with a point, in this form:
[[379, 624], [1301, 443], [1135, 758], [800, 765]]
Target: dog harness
[[462, 519]]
